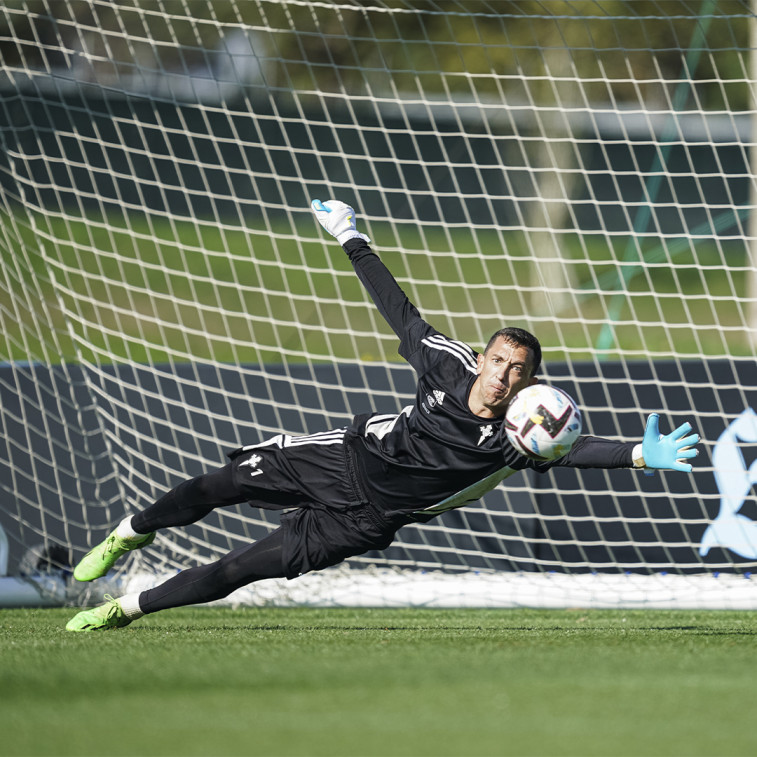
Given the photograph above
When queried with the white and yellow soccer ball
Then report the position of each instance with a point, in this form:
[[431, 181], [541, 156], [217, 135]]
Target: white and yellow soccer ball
[[542, 422]]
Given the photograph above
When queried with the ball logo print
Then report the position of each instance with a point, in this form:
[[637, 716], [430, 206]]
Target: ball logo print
[[542, 422], [551, 424]]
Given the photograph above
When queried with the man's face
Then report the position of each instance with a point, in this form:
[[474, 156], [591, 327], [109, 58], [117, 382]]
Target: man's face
[[503, 371]]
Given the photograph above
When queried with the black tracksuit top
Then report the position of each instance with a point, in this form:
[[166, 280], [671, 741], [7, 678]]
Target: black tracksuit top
[[436, 454]]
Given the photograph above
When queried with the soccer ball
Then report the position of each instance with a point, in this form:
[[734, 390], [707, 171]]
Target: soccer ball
[[542, 422]]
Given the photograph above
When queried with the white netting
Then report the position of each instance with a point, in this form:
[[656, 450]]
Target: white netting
[[583, 170]]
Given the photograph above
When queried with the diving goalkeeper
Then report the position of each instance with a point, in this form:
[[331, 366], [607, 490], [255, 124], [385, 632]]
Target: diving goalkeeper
[[349, 490]]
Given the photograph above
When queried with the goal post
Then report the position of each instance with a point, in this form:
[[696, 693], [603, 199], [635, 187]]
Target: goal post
[[582, 170]]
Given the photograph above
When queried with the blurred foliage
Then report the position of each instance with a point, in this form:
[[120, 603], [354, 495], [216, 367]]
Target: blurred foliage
[[622, 51]]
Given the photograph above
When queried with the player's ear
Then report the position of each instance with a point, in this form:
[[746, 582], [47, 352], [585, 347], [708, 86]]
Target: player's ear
[[533, 380], [479, 363]]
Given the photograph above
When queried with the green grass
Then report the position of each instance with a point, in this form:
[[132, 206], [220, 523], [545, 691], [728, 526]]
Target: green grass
[[207, 681], [147, 288]]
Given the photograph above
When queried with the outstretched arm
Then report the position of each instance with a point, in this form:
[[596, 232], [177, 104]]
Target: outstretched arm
[[338, 219], [655, 452]]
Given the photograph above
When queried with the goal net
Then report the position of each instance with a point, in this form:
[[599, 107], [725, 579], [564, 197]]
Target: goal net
[[583, 170]]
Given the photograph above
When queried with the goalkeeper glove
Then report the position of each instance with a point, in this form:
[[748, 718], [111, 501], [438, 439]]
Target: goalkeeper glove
[[338, 219], [665, 452]]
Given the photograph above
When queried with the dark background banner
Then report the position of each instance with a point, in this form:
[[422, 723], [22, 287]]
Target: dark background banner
[[73, 440]]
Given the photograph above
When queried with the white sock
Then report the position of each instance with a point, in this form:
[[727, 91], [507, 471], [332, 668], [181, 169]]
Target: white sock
[[130, 605], [125, 531]]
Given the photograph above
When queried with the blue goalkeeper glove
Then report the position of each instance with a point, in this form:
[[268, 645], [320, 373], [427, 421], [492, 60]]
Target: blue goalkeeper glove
[[338, 219], [665, 452]]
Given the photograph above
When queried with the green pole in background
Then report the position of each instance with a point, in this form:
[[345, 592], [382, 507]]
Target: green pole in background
[[607, 335]]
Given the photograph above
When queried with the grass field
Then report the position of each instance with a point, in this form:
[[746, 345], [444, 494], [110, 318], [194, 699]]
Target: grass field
[[208, 681]]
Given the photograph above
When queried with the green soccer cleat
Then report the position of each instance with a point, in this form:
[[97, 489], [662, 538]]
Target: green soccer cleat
[[102, 618], [98, 561]]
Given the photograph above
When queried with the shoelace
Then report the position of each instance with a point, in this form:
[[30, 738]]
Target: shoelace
[[114, 607]]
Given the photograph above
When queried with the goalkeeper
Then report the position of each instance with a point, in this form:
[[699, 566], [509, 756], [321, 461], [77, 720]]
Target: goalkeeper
[[349, 490]]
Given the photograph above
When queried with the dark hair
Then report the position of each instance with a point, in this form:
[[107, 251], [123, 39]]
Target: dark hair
[[521, 337]]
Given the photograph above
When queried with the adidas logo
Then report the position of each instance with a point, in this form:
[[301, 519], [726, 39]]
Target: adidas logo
[[434, 398]]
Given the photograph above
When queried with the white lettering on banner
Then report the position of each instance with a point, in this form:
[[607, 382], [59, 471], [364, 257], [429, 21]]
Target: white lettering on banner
[[731, 530]]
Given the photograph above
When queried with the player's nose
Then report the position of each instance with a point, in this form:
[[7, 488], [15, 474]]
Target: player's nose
[[510, 376], [501, 373]]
